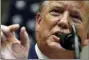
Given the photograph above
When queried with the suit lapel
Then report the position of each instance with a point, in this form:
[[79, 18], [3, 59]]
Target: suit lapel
[[32, 53]]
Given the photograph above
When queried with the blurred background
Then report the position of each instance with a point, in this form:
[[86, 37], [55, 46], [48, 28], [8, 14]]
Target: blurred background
[[20, 12], [23, 12]]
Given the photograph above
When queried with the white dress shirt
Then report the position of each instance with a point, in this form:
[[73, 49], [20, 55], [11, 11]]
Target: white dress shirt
[[39, 53]]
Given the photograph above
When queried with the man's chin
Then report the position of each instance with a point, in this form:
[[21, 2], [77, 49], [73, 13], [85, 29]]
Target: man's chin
[[55, 46]]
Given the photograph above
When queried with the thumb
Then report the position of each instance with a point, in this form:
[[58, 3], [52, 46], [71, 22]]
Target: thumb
[[25, 41]]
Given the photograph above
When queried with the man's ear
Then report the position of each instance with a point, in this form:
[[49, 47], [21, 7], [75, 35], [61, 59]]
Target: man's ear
[[87, 40], [88, 37], [38, 20]]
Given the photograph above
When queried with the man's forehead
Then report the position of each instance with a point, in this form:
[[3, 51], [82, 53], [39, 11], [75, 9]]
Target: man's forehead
[[77, 4]]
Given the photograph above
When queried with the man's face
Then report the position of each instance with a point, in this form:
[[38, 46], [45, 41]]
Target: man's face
[[57, 17]]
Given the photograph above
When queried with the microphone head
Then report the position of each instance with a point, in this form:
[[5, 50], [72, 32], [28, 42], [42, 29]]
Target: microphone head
[[67, 40]]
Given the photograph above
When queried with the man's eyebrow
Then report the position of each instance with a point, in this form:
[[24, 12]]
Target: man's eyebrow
[[64, 6], [58, 7], [74, 11]]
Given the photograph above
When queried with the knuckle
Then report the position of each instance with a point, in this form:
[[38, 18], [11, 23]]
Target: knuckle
[[4, 28]]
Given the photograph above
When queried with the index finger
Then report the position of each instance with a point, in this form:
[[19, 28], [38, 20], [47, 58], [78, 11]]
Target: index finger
[[13, 27], [7, 30]]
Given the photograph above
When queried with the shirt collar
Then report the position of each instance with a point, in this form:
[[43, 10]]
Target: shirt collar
[[39, 53]]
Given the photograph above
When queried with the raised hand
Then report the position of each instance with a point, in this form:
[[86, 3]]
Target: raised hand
[[11, 47]]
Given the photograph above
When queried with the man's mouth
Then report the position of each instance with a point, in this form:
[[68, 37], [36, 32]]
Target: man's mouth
[[62, 36], [66, 40]]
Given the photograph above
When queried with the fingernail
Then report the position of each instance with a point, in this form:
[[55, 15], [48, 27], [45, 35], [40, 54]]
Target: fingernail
[[23, 28]]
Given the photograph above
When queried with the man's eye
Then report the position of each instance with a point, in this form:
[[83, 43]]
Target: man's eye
[[77, 17], [56, 12]]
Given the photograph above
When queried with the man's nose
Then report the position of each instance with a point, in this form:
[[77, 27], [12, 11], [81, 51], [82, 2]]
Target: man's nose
[[64, 20]]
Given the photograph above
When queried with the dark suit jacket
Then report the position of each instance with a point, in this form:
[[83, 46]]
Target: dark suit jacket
[[32, 53]]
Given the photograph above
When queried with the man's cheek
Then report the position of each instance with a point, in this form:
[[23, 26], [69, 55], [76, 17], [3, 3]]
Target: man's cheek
[[49, 40], [83, 35]]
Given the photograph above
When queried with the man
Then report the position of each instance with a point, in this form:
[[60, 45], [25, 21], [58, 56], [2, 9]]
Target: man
[[53, 17]]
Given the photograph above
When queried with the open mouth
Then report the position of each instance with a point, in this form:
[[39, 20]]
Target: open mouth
[[66, 40]]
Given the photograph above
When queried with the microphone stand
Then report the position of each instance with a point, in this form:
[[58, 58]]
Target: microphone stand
[[71, 42], [77, 48]]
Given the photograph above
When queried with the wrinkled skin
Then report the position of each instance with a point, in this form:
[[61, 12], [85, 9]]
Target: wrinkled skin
[[57, 17]]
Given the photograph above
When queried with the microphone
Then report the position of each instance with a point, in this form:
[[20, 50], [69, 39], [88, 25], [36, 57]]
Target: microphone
[[71, 41]]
